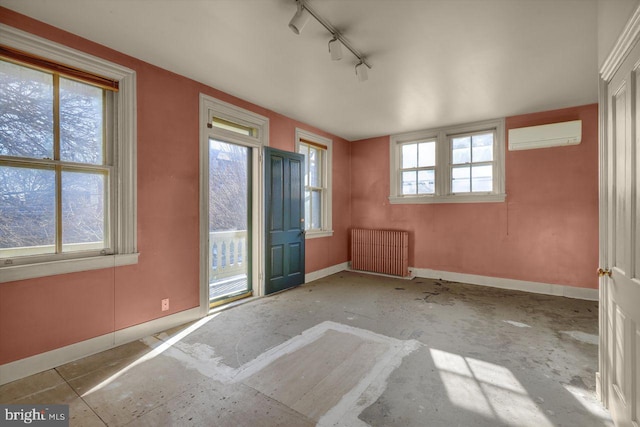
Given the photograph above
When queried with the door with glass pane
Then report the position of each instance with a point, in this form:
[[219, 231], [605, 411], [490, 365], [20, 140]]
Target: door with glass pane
[[229, 239]]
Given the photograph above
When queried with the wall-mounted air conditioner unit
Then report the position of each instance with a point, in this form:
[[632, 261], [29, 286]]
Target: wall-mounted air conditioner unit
[[553, 135]]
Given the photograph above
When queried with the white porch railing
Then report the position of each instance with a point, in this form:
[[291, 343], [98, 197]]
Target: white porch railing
[[227, 254]]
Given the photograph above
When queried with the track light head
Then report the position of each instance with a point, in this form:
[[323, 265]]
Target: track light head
[[300, 19], [335, 49], [361, 72]]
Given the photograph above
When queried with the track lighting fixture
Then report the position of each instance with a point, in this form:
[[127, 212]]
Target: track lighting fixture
[[300, 19], [335, 49], [361, 72]]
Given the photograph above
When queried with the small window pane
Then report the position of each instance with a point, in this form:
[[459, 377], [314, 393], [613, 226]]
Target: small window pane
[[81, 123], [409, 156], [26, 112], [426, 182], [483, 147], [314, 166], [27, 211], [83, 211], [409, 182], [427, 154], [316, 205], [461, 148], [233, 127], [482, 178], [304, 150], [460, 179], [307, 209]]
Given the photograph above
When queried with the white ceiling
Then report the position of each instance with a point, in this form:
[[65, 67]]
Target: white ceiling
[[435, 62]]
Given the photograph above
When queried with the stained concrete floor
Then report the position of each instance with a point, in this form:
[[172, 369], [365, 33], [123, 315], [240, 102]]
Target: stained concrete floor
[[352, 350]]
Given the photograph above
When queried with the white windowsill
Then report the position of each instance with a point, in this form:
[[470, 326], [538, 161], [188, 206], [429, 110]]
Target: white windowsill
[[462, 198], [316, 234], [12, 273]]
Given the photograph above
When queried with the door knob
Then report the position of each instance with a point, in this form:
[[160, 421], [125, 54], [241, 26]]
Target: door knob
[[605, 272]]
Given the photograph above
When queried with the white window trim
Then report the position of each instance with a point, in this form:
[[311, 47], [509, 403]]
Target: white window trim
[[443, 168], [327, 168], [124, 216], [211, 107]]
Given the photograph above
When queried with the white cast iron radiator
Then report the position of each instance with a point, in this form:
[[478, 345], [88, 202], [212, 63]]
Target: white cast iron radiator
[[380, 251]]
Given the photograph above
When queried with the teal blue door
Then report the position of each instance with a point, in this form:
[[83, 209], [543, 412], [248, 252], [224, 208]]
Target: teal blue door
[[284, 254]]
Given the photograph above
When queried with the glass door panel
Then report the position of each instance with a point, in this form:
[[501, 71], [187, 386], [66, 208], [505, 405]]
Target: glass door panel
[[229, 221]]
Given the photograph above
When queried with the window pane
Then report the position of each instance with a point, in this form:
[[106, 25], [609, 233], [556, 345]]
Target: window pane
[[482, 178], [307, 209], [81, 127], [233, 127], [409, 182], [316, 207], [460, 182], [26, 112], [461, 149], [314, 167], [229, 166], [27, 211], [427, 154], [409, 156], [83, 211], [304, 150], [482, 147], [426, 182]]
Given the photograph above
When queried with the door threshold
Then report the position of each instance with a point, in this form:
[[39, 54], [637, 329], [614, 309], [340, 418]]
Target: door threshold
[[230, 300]]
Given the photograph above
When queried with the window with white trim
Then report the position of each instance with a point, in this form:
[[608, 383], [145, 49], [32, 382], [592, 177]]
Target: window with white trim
[[66, 198], [448, 165], [317, 182]]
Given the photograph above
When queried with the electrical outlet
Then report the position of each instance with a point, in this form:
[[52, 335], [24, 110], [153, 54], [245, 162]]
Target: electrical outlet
[[165, 304]]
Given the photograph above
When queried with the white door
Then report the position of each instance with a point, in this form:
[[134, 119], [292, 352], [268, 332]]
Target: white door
[[620, 296]]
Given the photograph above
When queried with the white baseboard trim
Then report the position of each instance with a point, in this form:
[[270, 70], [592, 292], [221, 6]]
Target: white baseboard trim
[[41, 362], [513, 284], [319, 274]]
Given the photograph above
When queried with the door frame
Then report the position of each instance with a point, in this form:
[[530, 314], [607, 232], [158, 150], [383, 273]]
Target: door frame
[[629, 37], [210, 106]]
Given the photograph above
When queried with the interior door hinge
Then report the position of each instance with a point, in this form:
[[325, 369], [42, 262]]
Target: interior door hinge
[[605, 272]]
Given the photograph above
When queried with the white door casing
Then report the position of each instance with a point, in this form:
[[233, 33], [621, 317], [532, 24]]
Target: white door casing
[[211, 107], [620, 229]]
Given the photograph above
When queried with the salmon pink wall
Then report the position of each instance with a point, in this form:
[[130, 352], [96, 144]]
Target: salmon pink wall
[[546, 231], [43, 314]]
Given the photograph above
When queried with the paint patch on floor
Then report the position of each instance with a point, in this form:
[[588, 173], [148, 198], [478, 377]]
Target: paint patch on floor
[[582, 336], [330, 373], [518, 324]]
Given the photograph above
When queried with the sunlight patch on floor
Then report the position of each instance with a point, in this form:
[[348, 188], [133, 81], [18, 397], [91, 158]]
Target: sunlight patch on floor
[[487, 389]]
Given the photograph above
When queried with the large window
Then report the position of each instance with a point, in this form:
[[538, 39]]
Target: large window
[[317, 182], [54, 174], [66, 198], [449, 165]]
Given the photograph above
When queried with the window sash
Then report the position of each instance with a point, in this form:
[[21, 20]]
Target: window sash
[[60, 168], [311, 211]]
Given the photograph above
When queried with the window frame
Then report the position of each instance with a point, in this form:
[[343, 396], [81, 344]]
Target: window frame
[[443, 167], [122, 126], [326, 170]]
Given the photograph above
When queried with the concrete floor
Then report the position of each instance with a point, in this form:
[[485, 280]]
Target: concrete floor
[[351, 350]]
